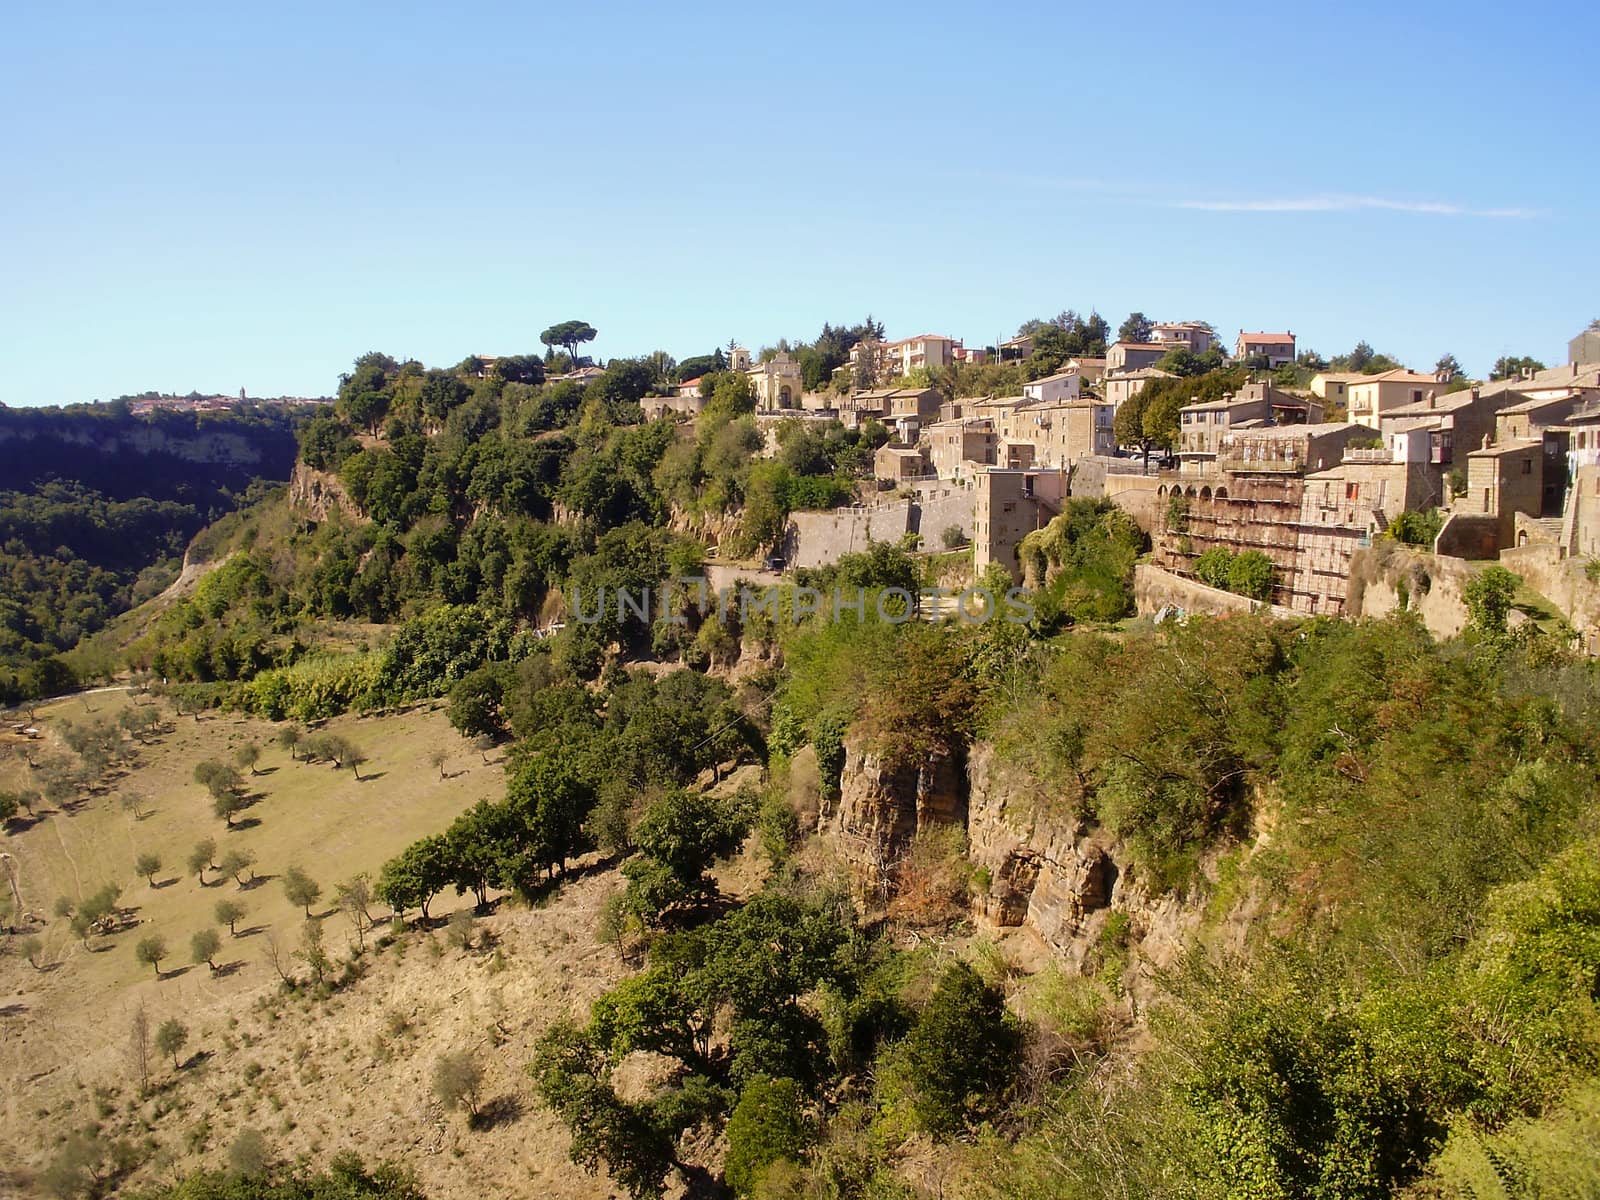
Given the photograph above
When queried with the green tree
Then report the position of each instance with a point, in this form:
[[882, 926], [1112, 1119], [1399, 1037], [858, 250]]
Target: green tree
[[678, 838], [962, 1052], [171, 1036], [1137, 328], [475, 704], [150, 951], [300, 889], [569, 335], [203, 947], [549, 803], [416, 876], [1128, 425], [636, 1151], [147, 864], [1510, 366]]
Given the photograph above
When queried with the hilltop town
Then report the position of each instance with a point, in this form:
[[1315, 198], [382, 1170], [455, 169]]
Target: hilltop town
[[1254, 447]]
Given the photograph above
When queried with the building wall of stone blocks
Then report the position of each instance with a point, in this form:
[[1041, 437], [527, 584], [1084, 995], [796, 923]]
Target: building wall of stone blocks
[[815, 539]]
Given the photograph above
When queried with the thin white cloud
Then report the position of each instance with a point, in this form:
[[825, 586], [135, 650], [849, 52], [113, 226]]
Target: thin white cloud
[[1347, 203]]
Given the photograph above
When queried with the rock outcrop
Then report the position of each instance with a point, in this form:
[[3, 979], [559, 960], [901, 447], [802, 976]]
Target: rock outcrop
[[1063, 878], [1045, 868], [1042, 868], [220, 448], [883, 804], [714, 529], [319, 494]]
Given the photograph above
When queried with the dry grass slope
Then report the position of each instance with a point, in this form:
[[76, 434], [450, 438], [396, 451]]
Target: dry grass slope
[[351, 1071]]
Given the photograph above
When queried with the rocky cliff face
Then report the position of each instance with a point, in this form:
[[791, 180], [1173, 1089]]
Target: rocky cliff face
[[319, 494], [883, 804], [223, 449], [1044, 870], [1060, 877], [711, 528]]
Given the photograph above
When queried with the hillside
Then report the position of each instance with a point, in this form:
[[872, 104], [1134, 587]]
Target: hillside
[[97, 505], [790, 899]]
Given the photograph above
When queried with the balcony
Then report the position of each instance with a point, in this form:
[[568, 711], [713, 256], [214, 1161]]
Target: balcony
[[1379, 455], [1245, 466]]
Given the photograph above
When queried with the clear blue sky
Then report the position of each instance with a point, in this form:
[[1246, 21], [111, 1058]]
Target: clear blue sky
[[202, 197]]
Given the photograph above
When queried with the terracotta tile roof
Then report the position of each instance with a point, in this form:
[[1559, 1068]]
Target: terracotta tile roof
[[1400, 375]]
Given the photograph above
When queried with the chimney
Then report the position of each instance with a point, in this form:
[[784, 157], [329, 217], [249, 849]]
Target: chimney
[[1432, 400]]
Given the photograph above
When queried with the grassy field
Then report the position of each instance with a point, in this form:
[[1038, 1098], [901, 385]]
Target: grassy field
[[64, 1029]]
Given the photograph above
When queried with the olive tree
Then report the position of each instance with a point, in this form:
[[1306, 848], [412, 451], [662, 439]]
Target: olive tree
[[147, 865], [230, 913], [457, 1078], [170, 1038], [300, 889], [150, 951], [202, 858], [203, 947]]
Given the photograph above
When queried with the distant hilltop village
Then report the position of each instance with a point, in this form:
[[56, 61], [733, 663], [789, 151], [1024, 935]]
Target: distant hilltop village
[[149, 402]]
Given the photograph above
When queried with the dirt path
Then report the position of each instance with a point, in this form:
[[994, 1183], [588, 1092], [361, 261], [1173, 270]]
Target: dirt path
[[55, 827]]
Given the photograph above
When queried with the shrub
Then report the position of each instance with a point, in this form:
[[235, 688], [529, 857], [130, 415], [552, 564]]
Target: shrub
[[314, 689], [1488, 599], [249, 1155], [463, 929], [1211, 568], [1417, 528], [456, 1079], [1250, 574], [963, 1050], [768, 1124]]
